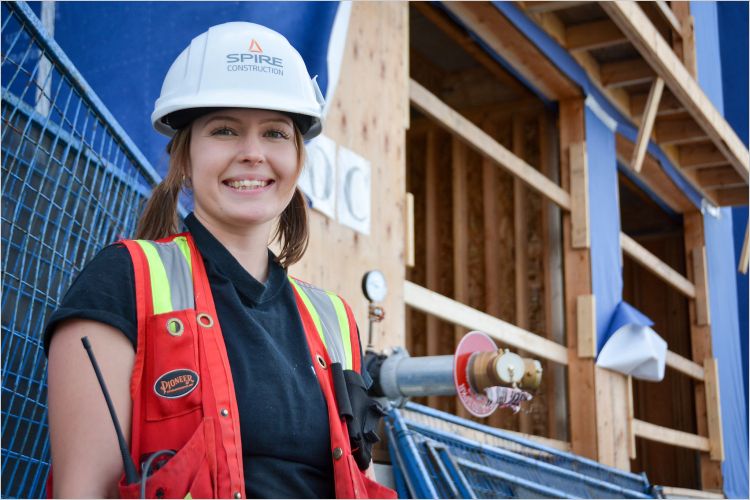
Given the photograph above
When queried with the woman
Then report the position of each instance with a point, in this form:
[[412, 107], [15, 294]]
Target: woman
[[228, 377]]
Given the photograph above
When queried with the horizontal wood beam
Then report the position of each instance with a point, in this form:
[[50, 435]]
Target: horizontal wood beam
[[675, 492], [476, 138], [668, 105], [729, 197], [454, 312], [700, 155], [623, 73], [489, 24], [678, 131], [719, 177], [669, 436], [656, 266], [685, 366], [654, 49], [593, 35], [542, 7]]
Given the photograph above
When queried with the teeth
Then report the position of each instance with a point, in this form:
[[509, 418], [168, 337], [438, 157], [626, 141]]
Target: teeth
[[247, 184]]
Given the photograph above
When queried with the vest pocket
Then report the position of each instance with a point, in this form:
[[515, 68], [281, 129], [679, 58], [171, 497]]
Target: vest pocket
[[172, 375], [192, 470]]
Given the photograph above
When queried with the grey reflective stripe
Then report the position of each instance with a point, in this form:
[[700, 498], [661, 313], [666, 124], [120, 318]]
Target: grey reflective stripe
[[329, 321], [178, 274]]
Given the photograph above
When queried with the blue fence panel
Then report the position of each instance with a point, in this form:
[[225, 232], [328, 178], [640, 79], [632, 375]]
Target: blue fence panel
[[72, 182]]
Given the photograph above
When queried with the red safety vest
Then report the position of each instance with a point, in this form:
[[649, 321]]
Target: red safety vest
[[182, 390]]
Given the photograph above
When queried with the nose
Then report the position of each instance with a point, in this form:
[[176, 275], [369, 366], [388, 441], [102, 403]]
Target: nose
[[251, 151]]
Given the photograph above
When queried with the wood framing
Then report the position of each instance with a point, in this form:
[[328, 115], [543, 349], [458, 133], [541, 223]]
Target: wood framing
[[410, 240], [744, 256], [460, 232], [669, 16], [579, 196], [486, 145], [693, 156], [659, 55], [647, 124], [459, 314], [669, 436], [501, 35], [651, 262], [631, 417], [700, 341], [677, 130], [432, 243], [625, 73], [586, 327], [700, 276], [685, 366], [593, 35], [713, 408]]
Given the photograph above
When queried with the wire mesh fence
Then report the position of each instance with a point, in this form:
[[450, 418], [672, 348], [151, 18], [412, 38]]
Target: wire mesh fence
[[438, 460], [72, 182]]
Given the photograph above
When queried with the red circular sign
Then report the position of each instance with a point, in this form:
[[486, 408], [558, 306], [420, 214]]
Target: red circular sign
[[476, 403]]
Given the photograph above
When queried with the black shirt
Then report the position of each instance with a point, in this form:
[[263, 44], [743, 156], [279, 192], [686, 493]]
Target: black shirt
[[283, 414]]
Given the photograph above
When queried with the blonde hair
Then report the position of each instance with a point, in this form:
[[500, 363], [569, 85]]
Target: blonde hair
[[160, 218]]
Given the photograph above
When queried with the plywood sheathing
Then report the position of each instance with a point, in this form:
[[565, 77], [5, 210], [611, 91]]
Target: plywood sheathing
[[368, 115]]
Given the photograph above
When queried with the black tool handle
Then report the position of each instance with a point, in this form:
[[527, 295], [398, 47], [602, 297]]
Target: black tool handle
[[131, 475]]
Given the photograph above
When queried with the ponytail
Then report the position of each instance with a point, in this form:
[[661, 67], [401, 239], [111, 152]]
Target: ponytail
[[160, 218]]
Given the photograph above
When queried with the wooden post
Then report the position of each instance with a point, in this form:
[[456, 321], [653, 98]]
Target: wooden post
[[579, 195], [432, 243], [744, 260], [577, 269], [700, 340], [586, 327], [713, 409], [410, 240], [460, 237]]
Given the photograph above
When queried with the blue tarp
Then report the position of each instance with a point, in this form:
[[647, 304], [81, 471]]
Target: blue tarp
[[124, 49], [722, 261]]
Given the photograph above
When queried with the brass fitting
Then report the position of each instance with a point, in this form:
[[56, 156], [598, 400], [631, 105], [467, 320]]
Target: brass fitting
[[502, 367]]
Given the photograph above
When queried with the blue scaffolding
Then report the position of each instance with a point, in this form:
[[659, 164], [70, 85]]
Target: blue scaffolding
[[72, 182]]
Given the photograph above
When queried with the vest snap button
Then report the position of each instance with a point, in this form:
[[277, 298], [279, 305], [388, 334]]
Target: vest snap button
[[224, 412], [321, 361], [237, 494], [337, 453]]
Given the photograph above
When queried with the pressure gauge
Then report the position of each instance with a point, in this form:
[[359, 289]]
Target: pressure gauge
[[374, 286]]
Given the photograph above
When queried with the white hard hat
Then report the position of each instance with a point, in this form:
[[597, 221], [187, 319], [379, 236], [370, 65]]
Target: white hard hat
[[238, 65]]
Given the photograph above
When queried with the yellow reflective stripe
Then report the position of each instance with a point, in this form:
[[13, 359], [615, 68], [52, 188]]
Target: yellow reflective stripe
[[346, 337], [311, 310], [160, 291], [182, 244]]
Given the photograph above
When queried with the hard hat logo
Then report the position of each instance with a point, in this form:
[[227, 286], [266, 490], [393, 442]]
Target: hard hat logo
[[255, 46]]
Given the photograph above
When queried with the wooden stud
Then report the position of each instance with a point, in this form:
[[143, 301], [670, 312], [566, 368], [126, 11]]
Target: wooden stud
[[647, 124], [745, 255], [625, 73], [486, 145], [713, 407], [579, 196], [668, 15], [669, 436], [582, 408], [685, 366], [700, 273], [460, 314], [655, 50], [700, 342], [460, 208], [632, 451], [520, 235], [503, 37], [540, 7], [410, 240], [729, 197], [593, 35], [586, 330], [432, 243], [678, 131], [654, 264]]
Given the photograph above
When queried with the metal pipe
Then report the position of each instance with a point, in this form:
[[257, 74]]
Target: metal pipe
[[402, 376]]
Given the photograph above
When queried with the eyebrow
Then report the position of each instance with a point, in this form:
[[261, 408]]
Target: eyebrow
[[237, 120]]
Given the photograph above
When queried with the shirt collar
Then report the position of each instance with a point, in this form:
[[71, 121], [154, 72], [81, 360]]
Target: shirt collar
[[216, 256]]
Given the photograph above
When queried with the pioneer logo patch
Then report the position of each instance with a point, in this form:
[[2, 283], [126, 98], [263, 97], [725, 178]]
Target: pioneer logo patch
[[176, 383]]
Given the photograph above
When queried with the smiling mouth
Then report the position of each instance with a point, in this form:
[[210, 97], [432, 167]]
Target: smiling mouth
[[247, 185]]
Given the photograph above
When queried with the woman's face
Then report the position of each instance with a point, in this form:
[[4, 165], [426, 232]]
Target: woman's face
[[243, 167]]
